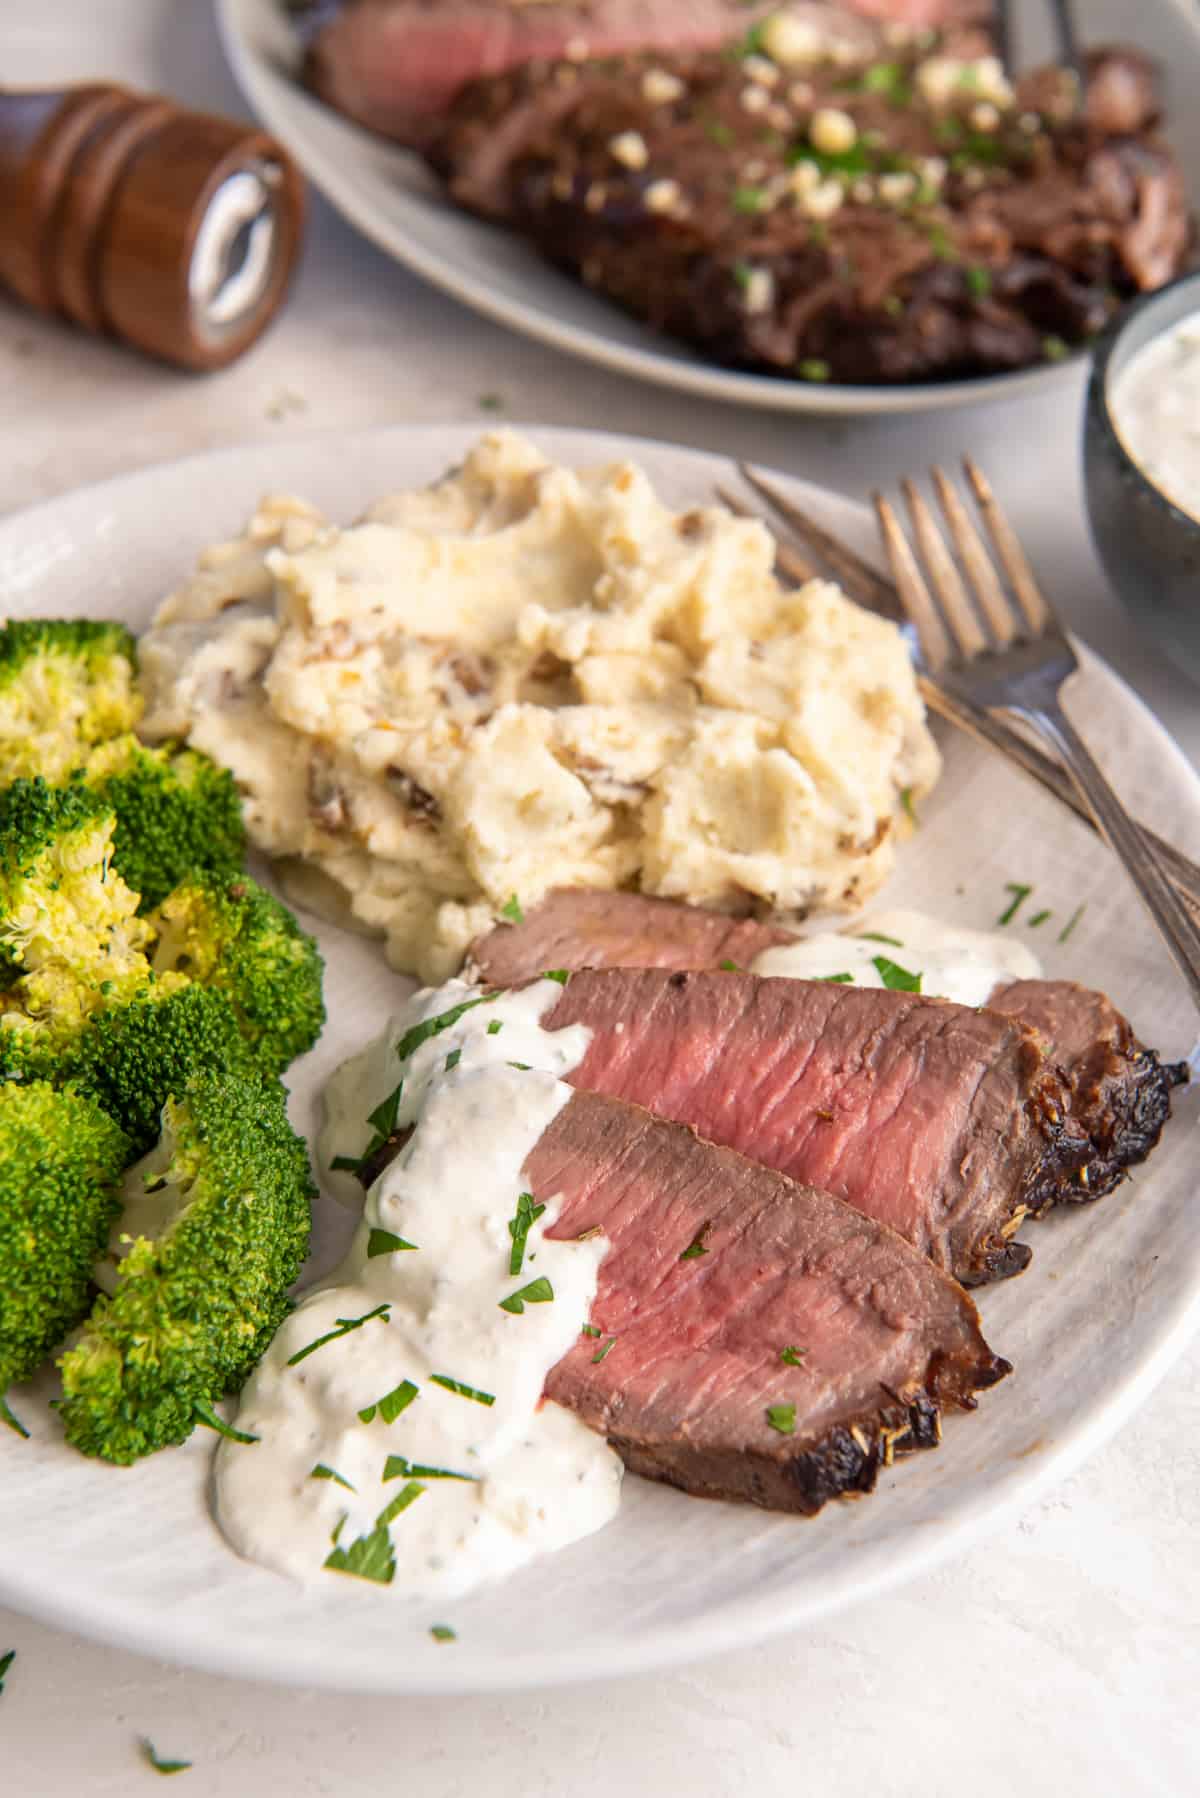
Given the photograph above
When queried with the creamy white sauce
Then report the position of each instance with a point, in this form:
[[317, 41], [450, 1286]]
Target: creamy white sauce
[[958, 964], [1155, 404], [537, 1478]]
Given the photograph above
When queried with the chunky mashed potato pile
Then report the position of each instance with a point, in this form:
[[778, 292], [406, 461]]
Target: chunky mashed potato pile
[[526, 677]]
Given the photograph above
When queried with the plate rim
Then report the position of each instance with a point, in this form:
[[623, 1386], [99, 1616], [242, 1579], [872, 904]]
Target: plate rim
[[681, 372], [731, 1628]]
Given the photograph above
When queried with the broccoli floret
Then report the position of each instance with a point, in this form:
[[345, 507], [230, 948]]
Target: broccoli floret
[[60, 1164], [62, 904], [64, 685], [236, 938], [130, 1058], [177, 813], [219, 1215]]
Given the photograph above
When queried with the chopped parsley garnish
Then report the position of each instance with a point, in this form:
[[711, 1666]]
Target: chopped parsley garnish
[[591, 1330], [383, 1121], [562, 975], [495, 1027], [813, 369], [453, 1059], [321, 1472], [538, 1292], [391, 1404], [699, 1246], [519, 1228], [894, 977], [1065, 932], [742, 273], [893, 305], [522, 1067], [1019, 895], [877, 936], [791, 1356], [512, 911], [490, 402], [397, 1468], [408, 1495], [940, 243], [481, 1398], [1054, 349], [717, 132], [979, 282], [603, 1350], [782, 1418], [1039, 917], [153, 1759], [749, 199], [383, 1118], [836, 979], [441, 1632], [729, 967], [752, 44], [211, 1421], [412, 1039], [6, 1661], [906, 803], [385, 1242], [370, 1557], [344, 1327], [890, 80], [11, 1419]]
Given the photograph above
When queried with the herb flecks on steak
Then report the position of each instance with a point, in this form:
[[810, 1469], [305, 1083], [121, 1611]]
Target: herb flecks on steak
[[907, 218]]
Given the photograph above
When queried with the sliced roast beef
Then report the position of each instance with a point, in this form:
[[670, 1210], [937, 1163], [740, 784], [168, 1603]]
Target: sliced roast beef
[[1118, 1092], [947, 1123], [768, 1343], [578, 928], [395, 65]]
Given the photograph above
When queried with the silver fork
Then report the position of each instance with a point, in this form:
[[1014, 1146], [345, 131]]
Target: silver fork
[[869, 588], [1002, 647]]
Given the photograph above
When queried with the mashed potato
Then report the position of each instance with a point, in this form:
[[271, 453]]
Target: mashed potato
[[526, 677]]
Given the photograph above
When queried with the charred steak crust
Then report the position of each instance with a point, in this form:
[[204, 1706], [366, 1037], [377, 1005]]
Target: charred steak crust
[[1120, 1091], [883, 1340]]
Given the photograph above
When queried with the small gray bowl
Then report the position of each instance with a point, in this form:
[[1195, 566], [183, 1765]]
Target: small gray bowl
[[1150, 548]]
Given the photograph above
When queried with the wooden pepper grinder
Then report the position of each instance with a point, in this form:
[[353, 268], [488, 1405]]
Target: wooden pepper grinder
[[172, 230]]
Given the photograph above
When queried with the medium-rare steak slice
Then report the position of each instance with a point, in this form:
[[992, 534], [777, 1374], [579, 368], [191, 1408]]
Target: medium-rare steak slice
[[758, 1340], [1119, 1092], [947, 1123], [575, 927]]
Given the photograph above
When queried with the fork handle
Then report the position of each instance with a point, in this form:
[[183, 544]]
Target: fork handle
[[1126, 840]]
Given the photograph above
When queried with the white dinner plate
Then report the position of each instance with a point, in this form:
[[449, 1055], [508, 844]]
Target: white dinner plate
[[391, 198], [131, 1555]]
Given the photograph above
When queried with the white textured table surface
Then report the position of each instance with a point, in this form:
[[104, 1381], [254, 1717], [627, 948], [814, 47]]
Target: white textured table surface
[[1062, 1656]]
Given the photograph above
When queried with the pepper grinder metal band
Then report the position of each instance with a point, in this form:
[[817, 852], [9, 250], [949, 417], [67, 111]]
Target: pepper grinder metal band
[[172, 230]]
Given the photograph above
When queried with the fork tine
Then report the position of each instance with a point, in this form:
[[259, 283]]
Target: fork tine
[[965, 630], [1038, 615], [990, 596], [915, 596], [860, 580], [793, 566]]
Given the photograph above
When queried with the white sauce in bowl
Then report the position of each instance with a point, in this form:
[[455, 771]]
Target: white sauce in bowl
[[360, 1439], [952, 963], [1155, 406]]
